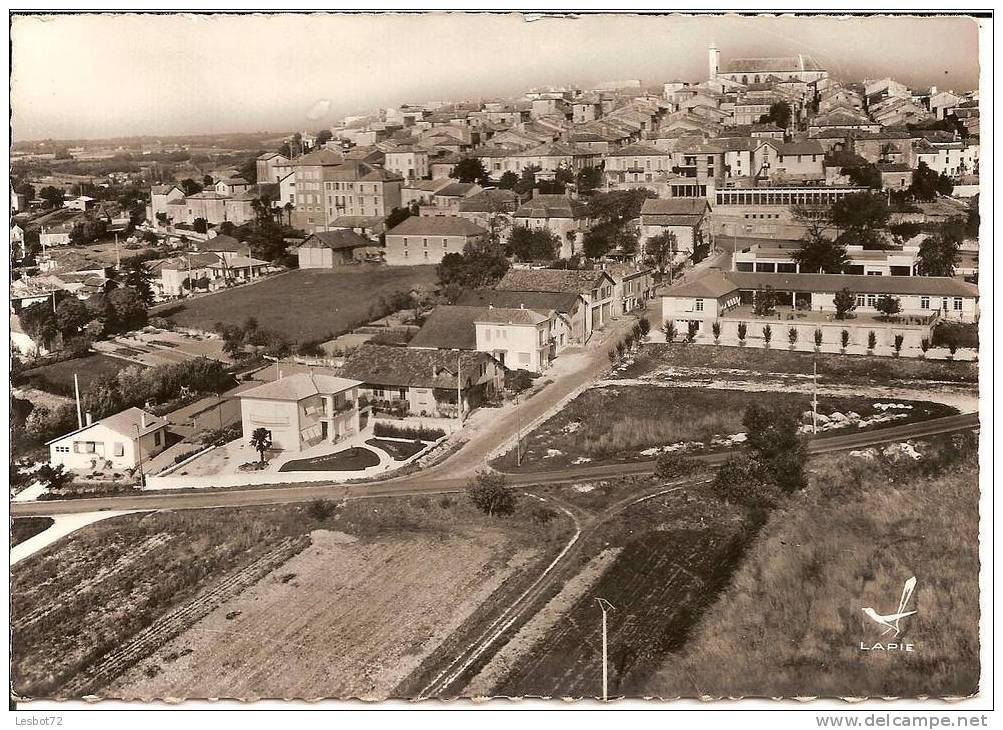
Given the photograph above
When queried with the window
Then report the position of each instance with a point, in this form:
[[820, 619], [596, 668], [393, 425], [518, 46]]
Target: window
[[62, 449], [156, 438], [402, 393], [860, 300], [405, 242], [871, 300], [698, 305], [523, 358], [943, 304], [924, 302], [424, 242], [119, 448], [426, 254], [957, 304]]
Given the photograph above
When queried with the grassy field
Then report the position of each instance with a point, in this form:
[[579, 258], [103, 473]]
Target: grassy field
[[58, 377], [791, 623], [24, 528], [666, 559], [612, 424], [353, 459], [831, 368], [81, 599], [304, 305]]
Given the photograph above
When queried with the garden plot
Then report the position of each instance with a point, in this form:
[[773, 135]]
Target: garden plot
[[344, 618]]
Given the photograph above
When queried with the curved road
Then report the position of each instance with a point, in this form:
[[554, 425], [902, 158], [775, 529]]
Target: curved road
[[449, 477]]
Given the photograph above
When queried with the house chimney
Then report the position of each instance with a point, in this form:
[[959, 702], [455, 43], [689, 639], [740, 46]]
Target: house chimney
[[142, 419], [89, 420]]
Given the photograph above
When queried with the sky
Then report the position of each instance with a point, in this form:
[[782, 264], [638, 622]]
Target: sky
[[97, 76]]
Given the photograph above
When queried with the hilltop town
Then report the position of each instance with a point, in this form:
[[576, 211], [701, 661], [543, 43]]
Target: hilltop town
[[566, 305]]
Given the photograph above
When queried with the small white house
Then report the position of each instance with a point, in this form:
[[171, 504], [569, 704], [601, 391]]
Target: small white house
[[120, 441]]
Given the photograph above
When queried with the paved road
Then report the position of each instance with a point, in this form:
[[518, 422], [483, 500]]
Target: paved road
[[441, 480]]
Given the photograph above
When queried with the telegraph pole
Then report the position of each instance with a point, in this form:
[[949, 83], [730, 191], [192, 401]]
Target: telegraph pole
[[814, 397], [604, 606], [518, 432], [76, 390]]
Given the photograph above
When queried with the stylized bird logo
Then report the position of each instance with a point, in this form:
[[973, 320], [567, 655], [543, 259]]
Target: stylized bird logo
[[891, 621]]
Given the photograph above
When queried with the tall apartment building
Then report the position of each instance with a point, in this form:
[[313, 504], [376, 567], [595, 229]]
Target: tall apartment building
[[328, 188]]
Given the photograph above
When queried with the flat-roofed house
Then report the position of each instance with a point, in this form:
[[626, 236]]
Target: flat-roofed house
[[304, 409], [426, 239], [120, 441]]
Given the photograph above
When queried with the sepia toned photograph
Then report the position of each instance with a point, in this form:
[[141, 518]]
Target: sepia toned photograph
[[626, 357]]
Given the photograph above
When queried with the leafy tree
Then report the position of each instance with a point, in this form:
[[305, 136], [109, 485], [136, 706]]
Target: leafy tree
[[52, 196], [945, 186], [924, 182], [773, 435], [526, 181], [692, 327], [660, 249], [888, 305], [845, 302], [743, 329], [248, 169], [508, 180], [905, 231], [767, 334], [103, 397], [39, 321], [397, 216], [867, 175], [190, 187], [860, 212], [128, 309], [324, 136], [261, 441], [201, 225], [470, 170], [938, 256], [526, 244], [715, 329], [779, 114], [739, 480], [764, 302], [618, 206], [481, 264], [820, 255], [608, 236], [138, 277], [88, 230], [491, 495], [588, 180], [71, 316]]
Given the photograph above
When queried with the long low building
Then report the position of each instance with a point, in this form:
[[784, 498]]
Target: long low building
[[806, 302], [717, 291]]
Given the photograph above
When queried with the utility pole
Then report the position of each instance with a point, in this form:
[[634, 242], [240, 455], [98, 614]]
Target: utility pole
[[139, 450], [518, 432], [459, 391], [814, 397], [604, 606], [76, 390], [118, 258]]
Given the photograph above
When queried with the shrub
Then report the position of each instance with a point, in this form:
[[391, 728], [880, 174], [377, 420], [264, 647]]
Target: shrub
[[716, 330], [542, 515], [844, 338], [792, 336], [669, 328], [898, 343], [321, 509], [924, 345], [872, 340], [818, 338], [644, 325], [740, 481], [54, 478], [691, 330], [518, 380], [381, 428], [672, 465], [491, 495], [445, 501], [767, 334], [743, 329]]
